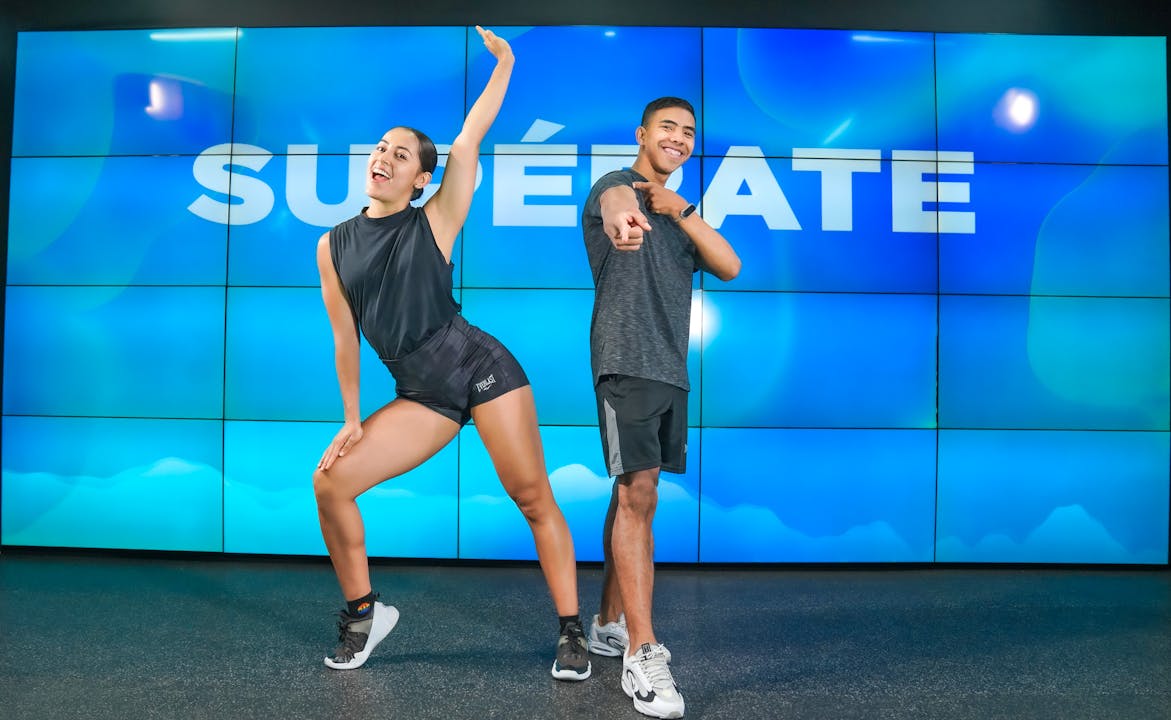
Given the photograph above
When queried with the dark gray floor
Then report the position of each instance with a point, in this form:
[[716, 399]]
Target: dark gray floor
[[116, 637]]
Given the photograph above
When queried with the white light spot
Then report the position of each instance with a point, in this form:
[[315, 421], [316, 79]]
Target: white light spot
[[705, 321], [864, 37], [1017, 110], [193, 35], [166, 99]]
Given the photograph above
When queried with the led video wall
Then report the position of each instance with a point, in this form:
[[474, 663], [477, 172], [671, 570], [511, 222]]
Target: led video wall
[[949, 341]]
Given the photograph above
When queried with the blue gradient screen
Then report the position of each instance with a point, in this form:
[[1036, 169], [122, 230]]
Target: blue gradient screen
[[949, 341]]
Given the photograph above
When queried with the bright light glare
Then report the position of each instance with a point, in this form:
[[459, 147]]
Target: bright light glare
[[705, 321], [166, 99], [1017, 110], [1023, 110], [863, 37], [192, 35]]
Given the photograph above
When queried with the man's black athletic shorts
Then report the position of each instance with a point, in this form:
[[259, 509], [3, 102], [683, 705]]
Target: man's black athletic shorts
[[643, 424]]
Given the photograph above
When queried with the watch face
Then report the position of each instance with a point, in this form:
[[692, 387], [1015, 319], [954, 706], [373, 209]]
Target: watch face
[[687, 211]]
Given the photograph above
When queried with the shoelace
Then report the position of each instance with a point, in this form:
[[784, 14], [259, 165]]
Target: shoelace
[[349, 642], [572, 646], [654, 665], [575, 638]]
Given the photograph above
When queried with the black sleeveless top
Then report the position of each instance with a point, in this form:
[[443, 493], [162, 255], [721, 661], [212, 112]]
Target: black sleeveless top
[[395, 277]]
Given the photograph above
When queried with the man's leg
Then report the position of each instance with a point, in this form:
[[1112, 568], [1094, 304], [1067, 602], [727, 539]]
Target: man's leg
[[608, 628], [646, 676], [611, 606], [643, 424], [632, 544]]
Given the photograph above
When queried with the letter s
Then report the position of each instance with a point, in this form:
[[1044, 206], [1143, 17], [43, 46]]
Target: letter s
[[212, 170]]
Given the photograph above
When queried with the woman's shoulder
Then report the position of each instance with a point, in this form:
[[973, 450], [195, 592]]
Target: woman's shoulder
[[347, 225]]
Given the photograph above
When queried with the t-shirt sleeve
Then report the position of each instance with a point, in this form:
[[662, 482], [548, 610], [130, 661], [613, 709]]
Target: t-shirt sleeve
[[593, 204]]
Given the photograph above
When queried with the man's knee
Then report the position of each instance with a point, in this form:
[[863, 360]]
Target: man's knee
[[638, 491]]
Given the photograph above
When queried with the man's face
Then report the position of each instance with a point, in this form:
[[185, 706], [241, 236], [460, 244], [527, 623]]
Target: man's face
[[667, 139]]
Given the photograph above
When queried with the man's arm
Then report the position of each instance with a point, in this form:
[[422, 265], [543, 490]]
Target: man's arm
[[623, 222], [715, 253]]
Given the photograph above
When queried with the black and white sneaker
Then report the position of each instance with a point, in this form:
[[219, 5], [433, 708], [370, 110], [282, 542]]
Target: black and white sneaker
[[357, 637], [573, 661], [646, 679]]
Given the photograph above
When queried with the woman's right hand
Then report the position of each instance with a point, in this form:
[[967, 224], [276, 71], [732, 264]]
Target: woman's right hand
[[496, 45], [345, 439]]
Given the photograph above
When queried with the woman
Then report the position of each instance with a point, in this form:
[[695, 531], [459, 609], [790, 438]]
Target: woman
[[388, 271]]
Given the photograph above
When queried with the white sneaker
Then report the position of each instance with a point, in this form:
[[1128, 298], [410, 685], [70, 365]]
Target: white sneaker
[[610, 639], [646, 679], [358, 638]]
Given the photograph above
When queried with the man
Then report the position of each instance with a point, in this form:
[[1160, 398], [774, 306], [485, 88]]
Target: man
[[644, 243]]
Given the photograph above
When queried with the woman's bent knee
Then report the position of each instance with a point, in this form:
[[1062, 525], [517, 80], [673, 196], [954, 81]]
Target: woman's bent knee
[[325, 486]]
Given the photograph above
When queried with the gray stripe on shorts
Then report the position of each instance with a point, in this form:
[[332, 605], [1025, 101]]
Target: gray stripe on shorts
[[612, 442]]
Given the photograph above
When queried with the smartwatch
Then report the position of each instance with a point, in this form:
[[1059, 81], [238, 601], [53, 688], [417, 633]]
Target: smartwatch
[[686, 213]]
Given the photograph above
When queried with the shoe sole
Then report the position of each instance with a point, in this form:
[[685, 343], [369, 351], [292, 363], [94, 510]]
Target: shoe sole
[[385, 618], [598, 647], [648, 708], [571, 675]]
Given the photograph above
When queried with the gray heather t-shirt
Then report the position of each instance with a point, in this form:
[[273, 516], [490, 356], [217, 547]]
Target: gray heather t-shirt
[[642, 300]]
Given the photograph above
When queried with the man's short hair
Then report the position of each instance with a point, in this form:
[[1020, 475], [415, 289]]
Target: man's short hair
[[664, 102]]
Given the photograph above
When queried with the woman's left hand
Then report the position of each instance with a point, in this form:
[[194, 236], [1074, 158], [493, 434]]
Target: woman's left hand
[[344, 441], [496, 45]]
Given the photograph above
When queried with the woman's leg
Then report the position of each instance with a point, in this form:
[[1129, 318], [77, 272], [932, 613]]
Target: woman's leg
[[395, 439], [508, 427]]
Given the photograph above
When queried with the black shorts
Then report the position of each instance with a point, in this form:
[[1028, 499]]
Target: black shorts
[[643, 424], [456, 369]]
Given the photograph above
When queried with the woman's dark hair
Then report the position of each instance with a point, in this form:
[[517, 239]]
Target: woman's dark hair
[[664, 102], [428, 155]]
